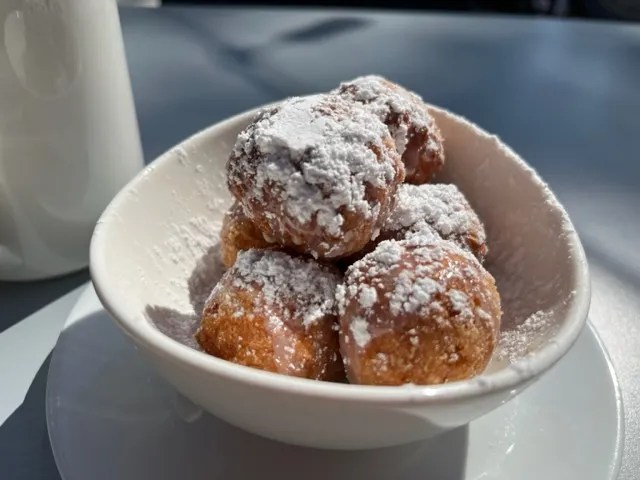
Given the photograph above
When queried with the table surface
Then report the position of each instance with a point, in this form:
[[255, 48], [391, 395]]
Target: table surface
[[564, 94]]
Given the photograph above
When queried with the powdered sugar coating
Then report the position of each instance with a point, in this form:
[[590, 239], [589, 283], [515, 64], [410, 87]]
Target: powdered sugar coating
[[359, 331], [316, 173], [414, 131], [301, 289], [412, 291], [515, 343], [435, 318], [275, 312], [386, 99], [442, 208]]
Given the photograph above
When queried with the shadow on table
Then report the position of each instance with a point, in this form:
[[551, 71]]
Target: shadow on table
[[25, 452]]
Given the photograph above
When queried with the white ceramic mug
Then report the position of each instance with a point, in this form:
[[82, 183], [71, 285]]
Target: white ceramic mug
[[68, 131]]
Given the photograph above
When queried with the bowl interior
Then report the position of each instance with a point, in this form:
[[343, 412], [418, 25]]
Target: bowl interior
[[154, 259]]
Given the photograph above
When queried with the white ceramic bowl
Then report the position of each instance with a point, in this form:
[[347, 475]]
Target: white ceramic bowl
[[149, 240]]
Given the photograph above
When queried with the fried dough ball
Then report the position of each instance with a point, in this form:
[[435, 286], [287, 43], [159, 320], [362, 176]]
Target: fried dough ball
[[440, 208], [275, 312], [316, 174], [416, 135], [238, 233], [417, 311], [432, 211]]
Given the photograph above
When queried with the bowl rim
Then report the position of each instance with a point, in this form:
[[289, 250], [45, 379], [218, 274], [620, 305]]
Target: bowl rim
[[517, 374]]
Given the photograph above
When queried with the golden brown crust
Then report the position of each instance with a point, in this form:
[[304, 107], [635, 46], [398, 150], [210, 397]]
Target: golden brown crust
[[435, 317], [250, 321], [239, 233], [245, 341], [424, 155]]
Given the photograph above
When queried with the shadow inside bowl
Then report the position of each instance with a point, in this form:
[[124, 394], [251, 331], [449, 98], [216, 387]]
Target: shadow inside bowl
[[182, 326], [130, 423]]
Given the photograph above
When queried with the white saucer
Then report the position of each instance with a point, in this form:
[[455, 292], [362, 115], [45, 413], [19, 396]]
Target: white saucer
[[111, 417]]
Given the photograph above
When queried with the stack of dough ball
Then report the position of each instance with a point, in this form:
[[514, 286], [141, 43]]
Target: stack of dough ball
[[317, 175], [419, 311], [416, 135], [322, 176], [275, 312]]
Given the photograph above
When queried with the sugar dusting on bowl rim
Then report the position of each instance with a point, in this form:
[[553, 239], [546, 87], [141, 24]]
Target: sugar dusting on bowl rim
[[527, 369]]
